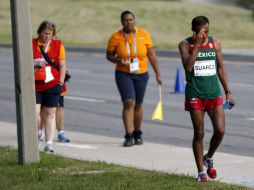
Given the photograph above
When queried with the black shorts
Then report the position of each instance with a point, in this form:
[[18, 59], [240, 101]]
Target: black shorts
[[50, 97], [61, 102], [131, 86]]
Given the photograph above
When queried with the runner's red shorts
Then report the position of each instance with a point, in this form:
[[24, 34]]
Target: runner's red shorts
[[202, 104]]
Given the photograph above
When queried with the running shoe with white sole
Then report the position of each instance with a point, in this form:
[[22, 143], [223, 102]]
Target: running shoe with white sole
[[62, 138], [211, 171], [202, 177], [49, 149]]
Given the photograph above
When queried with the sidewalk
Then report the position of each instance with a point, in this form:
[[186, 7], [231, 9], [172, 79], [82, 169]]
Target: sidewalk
[[165, 158]]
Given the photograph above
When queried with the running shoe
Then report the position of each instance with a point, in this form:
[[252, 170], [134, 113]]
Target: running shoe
[[128, 140], [211, 171], [62, 138], [40, 137], [202, 177], [49, 149], [138, 137]]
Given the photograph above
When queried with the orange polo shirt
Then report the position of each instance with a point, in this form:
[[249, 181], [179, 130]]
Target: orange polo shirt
[[117, 44], [62, 50]]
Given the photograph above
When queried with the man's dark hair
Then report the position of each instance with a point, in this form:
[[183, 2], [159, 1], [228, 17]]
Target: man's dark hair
[[126, 13], [198, 21]]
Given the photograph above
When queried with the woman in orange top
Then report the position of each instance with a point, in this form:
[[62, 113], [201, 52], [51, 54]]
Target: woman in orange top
[[128, 49], [48, 79]]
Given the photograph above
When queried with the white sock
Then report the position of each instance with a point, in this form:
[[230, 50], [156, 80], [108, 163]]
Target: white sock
[[40, 132], [207, 158], [201, 173], [61, 132], [49, 143]]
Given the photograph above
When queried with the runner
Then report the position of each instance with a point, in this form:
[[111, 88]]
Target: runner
[[202, 60]]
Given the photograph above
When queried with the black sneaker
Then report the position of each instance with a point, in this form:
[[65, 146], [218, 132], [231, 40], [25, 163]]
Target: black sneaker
[[138, 137], [128, 140]]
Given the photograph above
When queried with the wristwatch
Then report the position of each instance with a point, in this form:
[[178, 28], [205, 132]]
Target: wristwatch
[[61, 83]]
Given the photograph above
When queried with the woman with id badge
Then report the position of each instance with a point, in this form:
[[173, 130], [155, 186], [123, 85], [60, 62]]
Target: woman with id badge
[[49, 78], [129, 49]]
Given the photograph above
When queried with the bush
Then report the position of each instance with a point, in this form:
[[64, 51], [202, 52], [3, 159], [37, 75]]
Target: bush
[[246, 3]]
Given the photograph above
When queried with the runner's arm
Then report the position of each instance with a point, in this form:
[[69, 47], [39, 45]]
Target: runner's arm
[[62, 70], [221, 70], [188, 59]]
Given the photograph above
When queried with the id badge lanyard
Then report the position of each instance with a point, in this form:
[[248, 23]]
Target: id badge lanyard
[[128, 46], [46, 49], [134, 65]]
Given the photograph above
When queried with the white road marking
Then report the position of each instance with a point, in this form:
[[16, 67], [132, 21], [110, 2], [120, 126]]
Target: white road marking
[[251, 118], [82, 146], [85, 99], [237, 161]]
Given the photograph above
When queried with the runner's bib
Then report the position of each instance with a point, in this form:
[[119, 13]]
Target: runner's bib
[[204, 68]]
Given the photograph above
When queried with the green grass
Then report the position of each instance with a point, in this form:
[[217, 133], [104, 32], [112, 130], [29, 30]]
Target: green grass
[[90, 23], [55, 172]]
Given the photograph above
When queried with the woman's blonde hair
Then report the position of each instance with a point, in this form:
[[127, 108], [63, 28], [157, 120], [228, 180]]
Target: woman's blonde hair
[[47, 25]]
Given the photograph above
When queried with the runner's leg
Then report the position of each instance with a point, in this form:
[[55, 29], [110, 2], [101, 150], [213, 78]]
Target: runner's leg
[[197, 117], [217, 117]]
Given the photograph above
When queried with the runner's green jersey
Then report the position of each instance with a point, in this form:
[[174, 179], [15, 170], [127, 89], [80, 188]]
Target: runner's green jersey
[[202, 81]]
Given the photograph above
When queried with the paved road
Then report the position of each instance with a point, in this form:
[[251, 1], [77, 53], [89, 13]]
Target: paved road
[[93, 104]]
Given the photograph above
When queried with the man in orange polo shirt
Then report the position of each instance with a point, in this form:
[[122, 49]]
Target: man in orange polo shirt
[[61, 137], [128, 49]]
